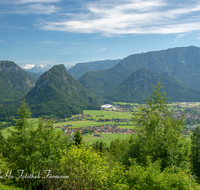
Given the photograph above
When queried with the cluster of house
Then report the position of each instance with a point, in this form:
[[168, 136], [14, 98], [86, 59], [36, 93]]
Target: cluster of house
[[104, 129], [179, 114], [114, 120]]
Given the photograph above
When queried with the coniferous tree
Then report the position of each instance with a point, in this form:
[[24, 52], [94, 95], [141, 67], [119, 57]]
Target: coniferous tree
[[195, 151], [159, 134], [78, 139]]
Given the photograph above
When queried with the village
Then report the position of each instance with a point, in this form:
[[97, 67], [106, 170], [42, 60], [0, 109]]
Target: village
[[191, 118], [103, 129]]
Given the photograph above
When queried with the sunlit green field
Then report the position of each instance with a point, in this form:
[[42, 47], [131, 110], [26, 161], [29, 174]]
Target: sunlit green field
[[124, 103], [108, 114], [107, 138]]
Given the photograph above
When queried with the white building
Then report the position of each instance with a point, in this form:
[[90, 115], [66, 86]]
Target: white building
[[107, 106]]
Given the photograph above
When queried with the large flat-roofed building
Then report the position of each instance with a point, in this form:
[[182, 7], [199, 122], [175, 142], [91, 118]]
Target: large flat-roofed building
[[107, 106]]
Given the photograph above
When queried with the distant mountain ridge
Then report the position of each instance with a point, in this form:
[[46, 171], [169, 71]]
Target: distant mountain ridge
[[138, 86], [39, 68], [182, 63], [14, 82], [81, 68], [57, 92]]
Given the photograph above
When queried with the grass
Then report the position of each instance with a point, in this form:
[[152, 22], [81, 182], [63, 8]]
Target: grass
[[107, 138], [108, 114], [125, 103]]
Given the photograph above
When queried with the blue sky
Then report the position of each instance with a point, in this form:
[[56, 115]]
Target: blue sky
[[72, 31]]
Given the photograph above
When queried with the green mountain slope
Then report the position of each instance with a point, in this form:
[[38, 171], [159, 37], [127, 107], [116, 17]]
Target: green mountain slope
[[182, 63], [14, 82], [80, 68], [58, 93], [138, 86], [33, 75]]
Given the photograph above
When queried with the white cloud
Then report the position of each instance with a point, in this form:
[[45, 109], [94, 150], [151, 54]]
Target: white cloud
[[2, 41], [33, 9], [131, 17]]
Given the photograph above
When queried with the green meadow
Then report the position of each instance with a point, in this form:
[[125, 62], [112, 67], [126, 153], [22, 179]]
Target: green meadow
[[108, 114], [106, 138], [125, 103]]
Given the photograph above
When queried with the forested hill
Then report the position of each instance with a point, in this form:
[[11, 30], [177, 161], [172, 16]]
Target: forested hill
[[182, 63], [58, 93], [14, 82], [139, 85], [81, 68]]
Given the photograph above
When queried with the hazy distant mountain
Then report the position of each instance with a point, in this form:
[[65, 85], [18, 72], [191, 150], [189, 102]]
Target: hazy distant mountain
[[182, 63], [81, 68], [138, 86], [57, 92], [39, 68], [14, 82], [69, 67], [34, 75]]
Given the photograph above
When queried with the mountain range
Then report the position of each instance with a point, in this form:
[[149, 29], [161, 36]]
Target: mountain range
[[81, 68], [39, 68], [182, 63], [139, 85], [58, 93]]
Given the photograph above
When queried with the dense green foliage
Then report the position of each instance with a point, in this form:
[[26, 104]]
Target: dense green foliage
[[138, 86], [58, 93], [29, 151], [14, 82], [81, 68], [195, 149], [159, 134], [182, 63]]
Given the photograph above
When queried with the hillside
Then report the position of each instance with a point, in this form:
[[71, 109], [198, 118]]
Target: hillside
[[34, 75], [138, 86], [58, 93], [81, 68], [182, 63], [14, 82]]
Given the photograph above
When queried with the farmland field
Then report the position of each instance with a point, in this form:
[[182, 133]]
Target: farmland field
[[107, 138], [108, 114]]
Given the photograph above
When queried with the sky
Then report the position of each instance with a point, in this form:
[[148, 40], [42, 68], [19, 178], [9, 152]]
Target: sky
[[74, 31]]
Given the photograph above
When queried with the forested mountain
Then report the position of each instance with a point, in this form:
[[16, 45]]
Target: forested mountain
[[81, 68], [58, 93], [182, 63], [139, 85], [14, 82]]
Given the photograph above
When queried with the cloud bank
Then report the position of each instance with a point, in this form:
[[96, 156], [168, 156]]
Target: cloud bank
[[130, 17]]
